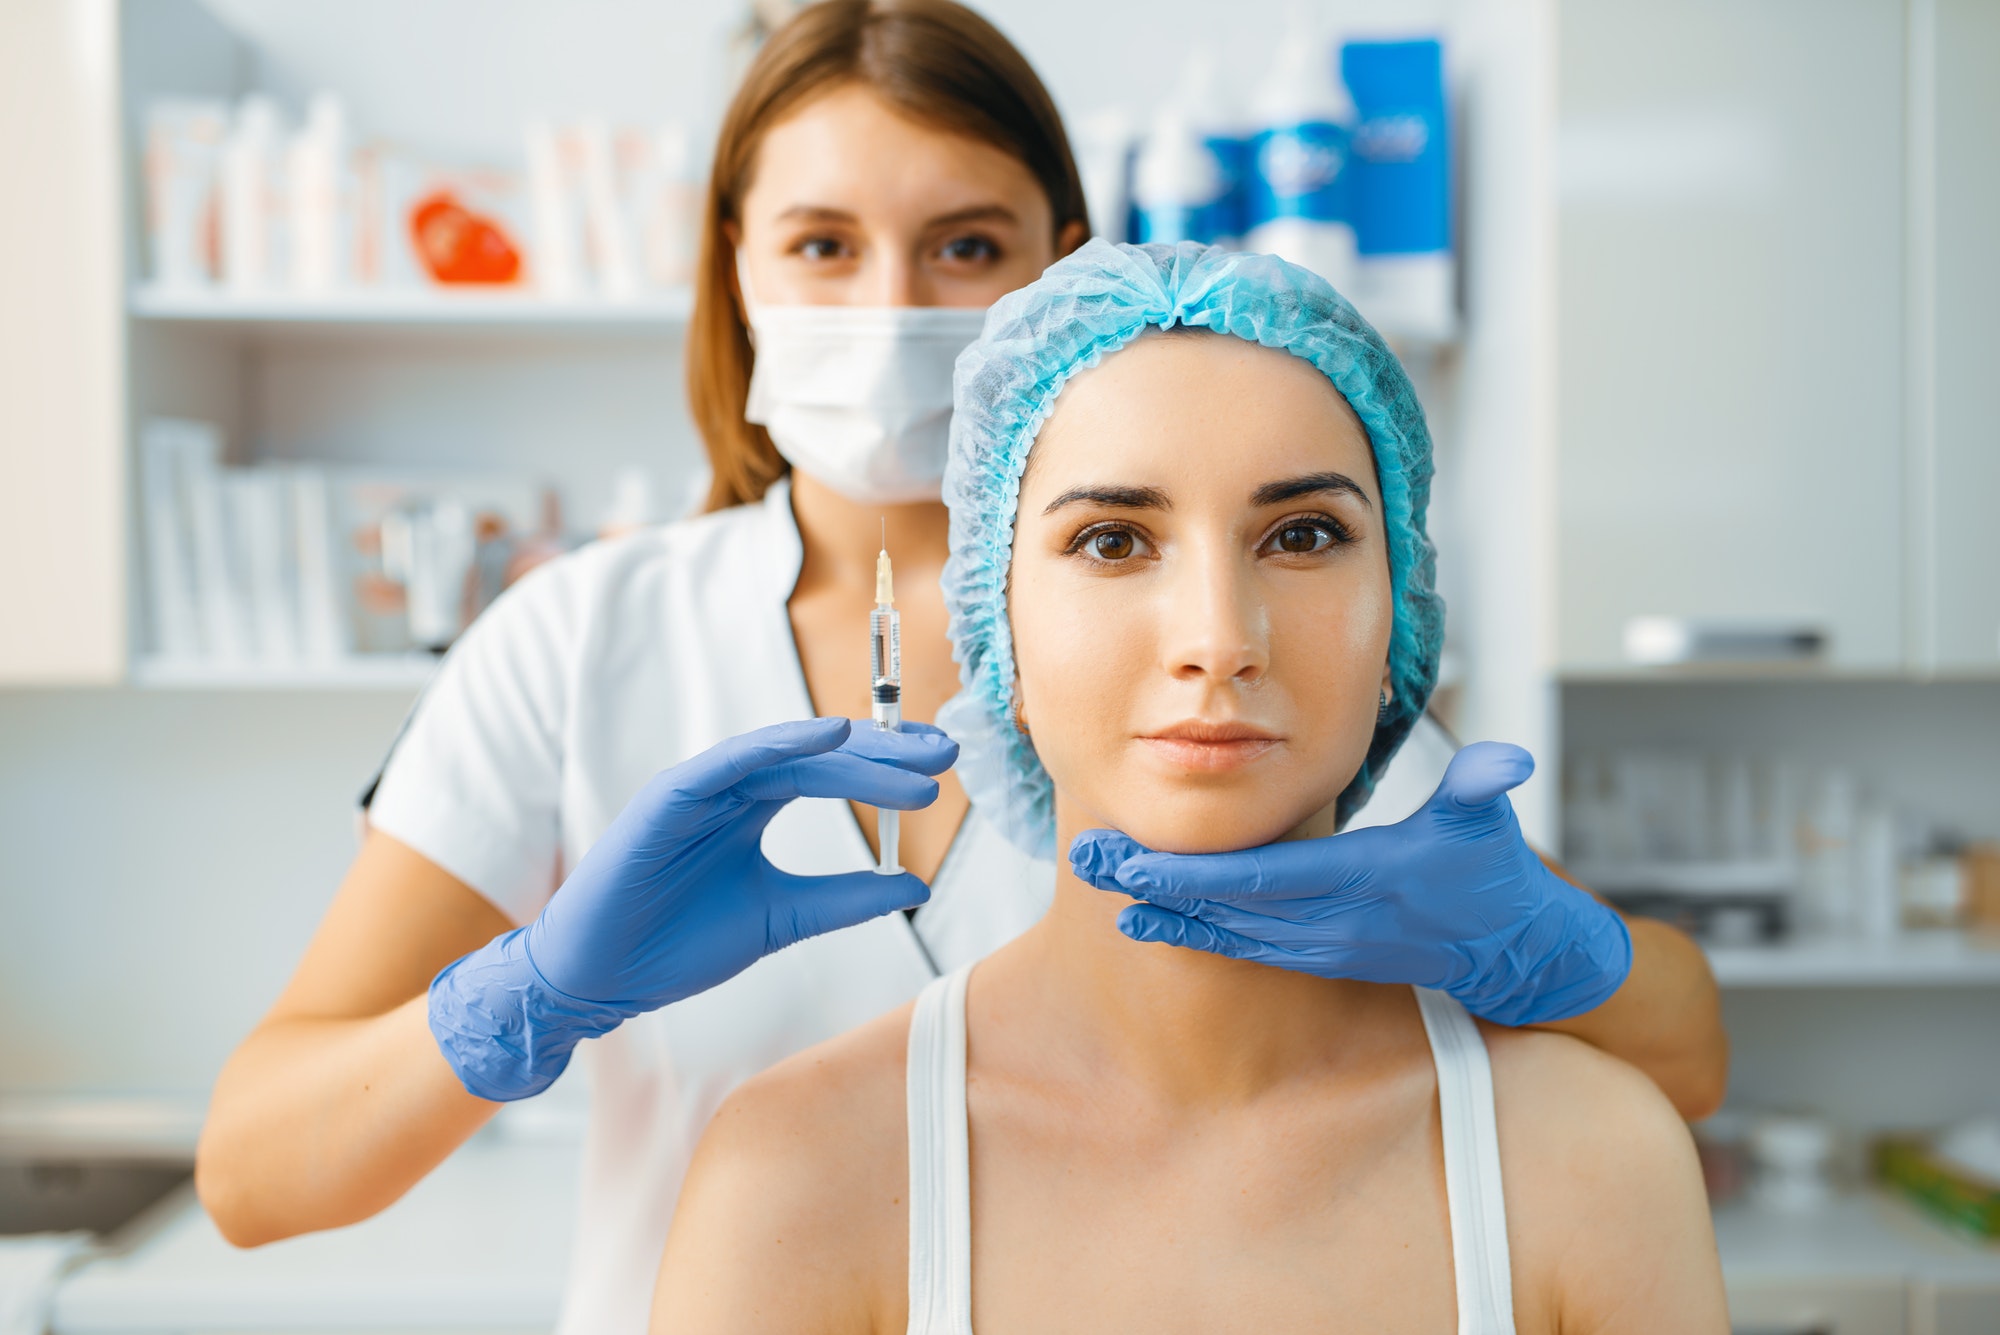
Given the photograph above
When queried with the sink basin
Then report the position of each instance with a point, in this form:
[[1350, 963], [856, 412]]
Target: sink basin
[[99, 1195]]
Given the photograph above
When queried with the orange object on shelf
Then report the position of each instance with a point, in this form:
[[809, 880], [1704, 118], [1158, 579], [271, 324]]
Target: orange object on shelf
[[457, 245], [1981, 878]]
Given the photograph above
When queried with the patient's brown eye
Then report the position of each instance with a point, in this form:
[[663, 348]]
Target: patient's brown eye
[[1301, 538], [1111, 545]]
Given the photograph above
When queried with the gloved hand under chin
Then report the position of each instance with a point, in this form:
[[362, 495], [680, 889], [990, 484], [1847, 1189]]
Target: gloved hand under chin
[[676, 897], [1451, 898]]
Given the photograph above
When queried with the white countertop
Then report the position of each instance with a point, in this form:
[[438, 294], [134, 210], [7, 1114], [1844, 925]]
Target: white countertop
[[481, 1245], [1862, 1234]]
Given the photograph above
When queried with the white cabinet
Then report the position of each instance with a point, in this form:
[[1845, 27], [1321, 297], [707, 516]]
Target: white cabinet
[[62, 523], [1956, 275], [1729, 330]]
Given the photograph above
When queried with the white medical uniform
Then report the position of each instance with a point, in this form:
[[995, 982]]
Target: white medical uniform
[[593, 674]]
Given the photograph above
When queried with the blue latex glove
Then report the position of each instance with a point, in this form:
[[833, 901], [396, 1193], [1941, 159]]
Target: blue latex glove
[[676, 897], [1451, 898]]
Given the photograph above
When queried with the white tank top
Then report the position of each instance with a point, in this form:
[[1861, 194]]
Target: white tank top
[[940, 1165]]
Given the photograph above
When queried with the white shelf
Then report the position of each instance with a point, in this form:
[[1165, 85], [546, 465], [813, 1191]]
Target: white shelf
[[415, 309], [1865, 1234], [1912, 959], [363, 672]]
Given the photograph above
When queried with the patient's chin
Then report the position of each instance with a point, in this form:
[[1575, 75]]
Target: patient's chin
[[1208, 823]]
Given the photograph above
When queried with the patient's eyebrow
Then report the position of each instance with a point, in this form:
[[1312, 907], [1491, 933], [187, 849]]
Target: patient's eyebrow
[[1291, 488], [1117, 498]]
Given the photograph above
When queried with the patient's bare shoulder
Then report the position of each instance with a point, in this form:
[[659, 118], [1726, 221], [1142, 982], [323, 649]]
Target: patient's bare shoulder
[[1607, 1220], [795, 1214]]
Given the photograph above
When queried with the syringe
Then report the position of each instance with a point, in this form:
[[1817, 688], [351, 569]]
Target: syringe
[[885, 672]]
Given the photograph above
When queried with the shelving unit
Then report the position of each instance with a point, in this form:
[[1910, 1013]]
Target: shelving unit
[[1911, 959], [361, 672], [393, 309]]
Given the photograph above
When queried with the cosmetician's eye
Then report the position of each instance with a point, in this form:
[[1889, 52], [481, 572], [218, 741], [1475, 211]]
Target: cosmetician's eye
[[819, 248], [972, 249]]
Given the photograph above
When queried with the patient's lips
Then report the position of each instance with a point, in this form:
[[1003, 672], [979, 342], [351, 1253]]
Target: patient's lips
[[1211, 746]]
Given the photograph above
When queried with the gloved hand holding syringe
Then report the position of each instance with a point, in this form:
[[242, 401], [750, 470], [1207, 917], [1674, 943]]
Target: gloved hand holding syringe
[[885, 675]]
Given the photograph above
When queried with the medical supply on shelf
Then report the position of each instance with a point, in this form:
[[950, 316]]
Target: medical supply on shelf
[[1178, 187], [1227, 135], [1741, 850], [184, 144], [1793, 1155], [235, 198], [1980, 869], [1301, 205], [1187, 178], [461, 245], [297, 565], [1400, 169], [1356, 187], [1955, 1176], [558, 261], [250, 216], [316, 169], [667, 201], [885, 674], [1105, 146], [429, 548]]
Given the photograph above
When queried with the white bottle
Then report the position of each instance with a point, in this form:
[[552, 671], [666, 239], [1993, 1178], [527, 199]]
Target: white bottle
[[607, 224], [184, 144], [1177, 183], [1104, 152], [1878, 911], [1827, 883], [1227, 135], [316, 164], [1299, 205], [249, 246], [552, 198], [668, 209]]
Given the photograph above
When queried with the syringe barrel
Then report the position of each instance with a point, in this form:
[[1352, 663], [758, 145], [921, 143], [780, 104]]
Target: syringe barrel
[[885, 649]]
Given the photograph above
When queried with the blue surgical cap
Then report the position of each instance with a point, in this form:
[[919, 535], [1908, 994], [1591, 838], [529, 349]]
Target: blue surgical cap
[[1084, 308]]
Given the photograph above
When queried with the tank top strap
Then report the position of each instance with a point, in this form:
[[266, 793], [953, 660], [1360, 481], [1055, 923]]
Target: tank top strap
[[940, 1162], [1471, 1167]]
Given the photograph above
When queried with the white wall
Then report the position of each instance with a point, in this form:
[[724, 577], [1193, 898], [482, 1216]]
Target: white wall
[[166, 857]]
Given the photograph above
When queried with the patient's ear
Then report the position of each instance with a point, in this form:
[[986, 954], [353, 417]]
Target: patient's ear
[[1020, 718]]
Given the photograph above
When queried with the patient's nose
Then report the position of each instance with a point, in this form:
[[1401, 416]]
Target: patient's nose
[[1216, 625]]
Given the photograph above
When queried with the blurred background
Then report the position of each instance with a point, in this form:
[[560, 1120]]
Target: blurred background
[[319, 324]]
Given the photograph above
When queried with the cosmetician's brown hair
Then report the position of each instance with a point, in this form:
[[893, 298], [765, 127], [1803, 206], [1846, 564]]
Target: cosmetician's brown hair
[[937, 60]]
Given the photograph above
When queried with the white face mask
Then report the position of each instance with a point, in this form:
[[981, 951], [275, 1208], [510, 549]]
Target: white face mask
[[858, 396]]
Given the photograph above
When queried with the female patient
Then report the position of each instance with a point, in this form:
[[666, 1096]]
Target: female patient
[[1192, 602]]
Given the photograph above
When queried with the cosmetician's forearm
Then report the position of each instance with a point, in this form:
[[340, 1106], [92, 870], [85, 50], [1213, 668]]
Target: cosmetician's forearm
[[317, 1123], [1666, 1019]]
